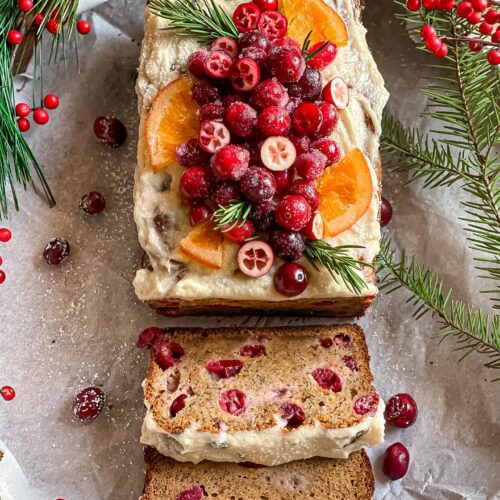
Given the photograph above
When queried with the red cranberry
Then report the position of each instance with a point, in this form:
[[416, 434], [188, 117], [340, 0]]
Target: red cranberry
[[23, 124], [226, 44], [289, 245], [258, 184], [148, 337], [326, 342], [255, 258], [199, 214], [166, 353], [240, 233], [196, 62], [385, 212], [329, 148], [224, 193], [241, 119], [92, 203], [110, 131], [178, 404], [23, 110], [308, 87], [14, 37], [213, 135], [290, 279], [323, 58], [53, 26], [367, 404], [269, 93], [204, 92], [306, 118], [286, 41], [256, 54], [329, 119], [265, 5], [51, 101], [88, 404], [273, 24], [343, 340], [327, 379], [224, 368], [293, 414], [253, 351], [254, 39], [56, 251], [244, 74], [401, 410], [194, 493], [217, 64], [284, 179], [233, 401], [263, 215], [211, 111], [8, 393], [230, 163], [274, 121], [308, 191], [310, 165], [302, 143], [396, 461], [195, 183], [293, 212], [350, 362], [83, 27], [189, 154], [286, 64], [246, 17]]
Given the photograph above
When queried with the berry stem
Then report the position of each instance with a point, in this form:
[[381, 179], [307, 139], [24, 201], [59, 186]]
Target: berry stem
[[467, 40]]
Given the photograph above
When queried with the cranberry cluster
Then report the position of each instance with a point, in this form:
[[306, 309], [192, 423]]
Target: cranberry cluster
[[40, 114], [263, 139], [479, 13]]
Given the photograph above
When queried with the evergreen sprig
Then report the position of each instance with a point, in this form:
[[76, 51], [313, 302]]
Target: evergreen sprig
[[473, 330], [203, 20], [233, 215], [338, 262]]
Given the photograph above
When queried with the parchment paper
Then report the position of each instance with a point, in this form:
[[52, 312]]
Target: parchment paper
[[66, 328]]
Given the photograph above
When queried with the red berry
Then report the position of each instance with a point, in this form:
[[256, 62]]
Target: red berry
[[178, 404], [476, 45], [199, 214], [189, 154], [246, 17], [495, 38], [233, 402], [485, 28], [396, 461], [413, 5], [25, 5], [226, 44], [427, 31], [38, 19], [5, 234], [289, 245], [274, 121], [254, 39], [240, 233], [263, 215], [92, 203], [230, 163], [327, 379], [257, 55], [196, 62], [433, 43], [293, 414], [241, 119], [23, 124], [204, 92], [401, 411], [23, 110], [88, 404], [350, 362], [308, 191], [278, 153], [195, 183], [290, 279], [2, 277], [284, 180], [464, 9], [255, 259], [14, 37], [194, 493], [8, 393], [253, 351], [217, 64], [492, 16], [475, 18], [56, 251], [53, 26], [148, 337], [329, 148], [265, 5], [429, 4], [224, 193], [244, 74], [446, 4], [110, 131], [166, 353], [323, 58], [494, 57], [336, 92], [286, 64], [385, 212], [293, 212], [310, 165], [306, 118], [213, 136], [258, 185], [51, 101], [211, 111], [224, 368], [366, 405], [329, 119], [273, 24], [269, 93], [40, 116], [285, 41], [479, 5], [308, 88], [442, 51], [302, 143], [83, 27]]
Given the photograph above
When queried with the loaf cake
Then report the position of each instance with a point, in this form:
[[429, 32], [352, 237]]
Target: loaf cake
[[318, 478], [267, 395], [190, 130]]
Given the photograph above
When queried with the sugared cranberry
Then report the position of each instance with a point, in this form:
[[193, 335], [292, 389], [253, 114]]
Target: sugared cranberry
[[193, 493], [385, 212], [56, 251], [253, 351], [8, 393], [189, 154], [226, 44], [224, 368], [258, 184], [255, 258], [269, 93], [274, 121], [293, 414], [195, 183], [110, 131], [289, 245], [308, 191], [327, 379], [329, 119], [256, 54], [92, 203], [230, 163], [166, 353], [286, 64], [233, 402], [343, 340], [224, 193], [329, 148], [148, 336], [293, 212], [263, 215], [199, 214], [241, 119], [217, 64], [240, 233], [396, 461], [401, 410], [265, 5], [204, 92], [246, 17], [196, 63], [302, 143], [88, 404], [323, 58], [254, 39], [244, 74], [284, 179], [273, 24], [211, 111], [178, 404], [306, 118], [367, 405], [286, 41], [350, 362], [310, 165], [290, 279], [308, 88], [213, 135]]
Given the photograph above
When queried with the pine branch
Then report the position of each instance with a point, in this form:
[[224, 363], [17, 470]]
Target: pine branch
[[338, 262], [473, 330], [230, 216], [203, 19]]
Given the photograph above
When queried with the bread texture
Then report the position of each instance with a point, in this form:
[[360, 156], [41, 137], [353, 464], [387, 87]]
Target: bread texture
[[306, 392], [322, 479]]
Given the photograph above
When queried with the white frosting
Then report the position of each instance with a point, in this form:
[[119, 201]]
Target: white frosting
[[163, 56], [270, 447]]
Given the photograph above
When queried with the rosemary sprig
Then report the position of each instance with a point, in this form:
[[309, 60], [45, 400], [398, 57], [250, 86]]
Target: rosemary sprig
[[316, 52], [338, 263], [233, 215], [306, 43], [204, 20]]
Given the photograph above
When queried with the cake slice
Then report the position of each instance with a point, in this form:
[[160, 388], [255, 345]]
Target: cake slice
[[266, 395], [318, 478]]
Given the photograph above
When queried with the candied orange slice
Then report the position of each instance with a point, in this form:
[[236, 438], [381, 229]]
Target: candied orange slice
[[171, 121], [204, 245], [315, 15], [345, 191]]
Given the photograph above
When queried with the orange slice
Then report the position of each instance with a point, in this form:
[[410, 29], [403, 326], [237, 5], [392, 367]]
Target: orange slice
[[345, 191], [171, 121], [315, 15], [204, 245]]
